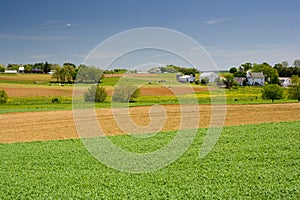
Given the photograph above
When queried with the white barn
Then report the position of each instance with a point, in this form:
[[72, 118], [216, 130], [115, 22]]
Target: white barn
[[211, 76]]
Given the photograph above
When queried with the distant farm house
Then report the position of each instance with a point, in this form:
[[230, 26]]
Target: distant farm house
[[186, 79], [210, 76], [255, 78]]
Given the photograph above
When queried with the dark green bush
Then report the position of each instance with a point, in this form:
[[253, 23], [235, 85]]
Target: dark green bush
[[95, 94], [3, 97], [126, 93]]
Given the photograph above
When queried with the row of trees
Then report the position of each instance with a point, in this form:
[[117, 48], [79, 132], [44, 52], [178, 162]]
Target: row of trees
[[82, 74], [41, 68], [174, 69], [283, 69]]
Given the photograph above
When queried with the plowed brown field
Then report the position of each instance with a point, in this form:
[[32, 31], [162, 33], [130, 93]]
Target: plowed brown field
[[55, 125]]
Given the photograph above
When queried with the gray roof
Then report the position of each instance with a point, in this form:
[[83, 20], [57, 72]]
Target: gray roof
[[256, 75]]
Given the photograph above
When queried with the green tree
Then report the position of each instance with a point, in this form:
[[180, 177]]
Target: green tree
[[89, 74], [2, 68], [240, 74], [3, 97], [297, 63], [232, 70], [69, 72], [205, 81], [46, 67], [294, 90], [228, 80], [285, 64], [272, 91], [125, 93], [95, 94], [28, 68], [58, 74], [270, 73], [247, 66]]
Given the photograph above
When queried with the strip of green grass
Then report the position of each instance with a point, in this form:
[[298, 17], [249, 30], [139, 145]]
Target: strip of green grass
[[248, 162]]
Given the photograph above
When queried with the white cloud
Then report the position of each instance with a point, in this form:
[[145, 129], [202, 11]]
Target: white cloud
[[215, 21], [68, 25], [52, 22]]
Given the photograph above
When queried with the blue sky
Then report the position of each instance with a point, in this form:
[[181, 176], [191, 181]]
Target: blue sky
[[232, 32]]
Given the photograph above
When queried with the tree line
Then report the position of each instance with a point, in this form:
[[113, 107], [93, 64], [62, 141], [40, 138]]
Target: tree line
[[279, 69]]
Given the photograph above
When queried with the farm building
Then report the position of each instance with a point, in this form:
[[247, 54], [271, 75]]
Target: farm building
[[240, 80], [186, 79], [210, 76], [285, 82], [10, 71], [255, 78]]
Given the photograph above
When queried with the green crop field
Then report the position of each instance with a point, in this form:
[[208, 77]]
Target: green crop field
[[248, 162]]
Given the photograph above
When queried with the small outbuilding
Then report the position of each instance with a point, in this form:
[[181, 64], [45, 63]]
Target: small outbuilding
[[186, 79], [285, 82]]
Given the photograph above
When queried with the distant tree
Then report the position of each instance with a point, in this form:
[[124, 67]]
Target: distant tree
[[247, 66], [28, 68], [58, 74], [95, 94], [169, 69], [3, 97], [69, 72], [228, 80], [70, 64], [38, 68], [285, 64], [125, 93], [240, 74], [13, 66], [272, 91], [232, 70], [205, 81], [297, 63], [2, 68], [270, 73], [89, 74], [294, 89], [46, 68]]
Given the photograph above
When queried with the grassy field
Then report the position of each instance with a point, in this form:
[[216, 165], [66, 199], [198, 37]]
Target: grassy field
[[32, 92], [248, 162]]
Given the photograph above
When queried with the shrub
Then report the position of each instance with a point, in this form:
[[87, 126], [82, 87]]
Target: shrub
[[126, 93], [55, 100], [3, 97], [204, 81], [95, 94], [272, 91]]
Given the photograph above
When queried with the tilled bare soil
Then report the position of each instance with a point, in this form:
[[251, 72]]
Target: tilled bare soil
[[56, 125]]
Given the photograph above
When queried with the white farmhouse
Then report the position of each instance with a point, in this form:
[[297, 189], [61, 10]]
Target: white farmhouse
[[255, 78], [211, 76], [186, 79]]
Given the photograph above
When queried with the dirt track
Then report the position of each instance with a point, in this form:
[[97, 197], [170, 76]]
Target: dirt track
[[32, 126]]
